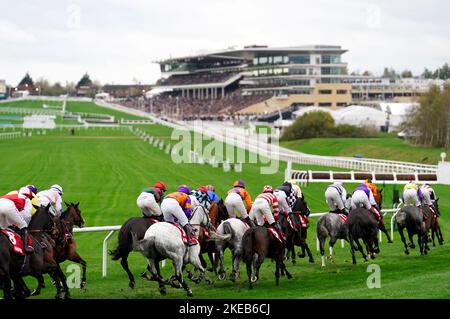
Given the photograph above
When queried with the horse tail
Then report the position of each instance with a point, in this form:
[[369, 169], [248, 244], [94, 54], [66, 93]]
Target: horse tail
[[227, 229], [124, 246], [247, 245]]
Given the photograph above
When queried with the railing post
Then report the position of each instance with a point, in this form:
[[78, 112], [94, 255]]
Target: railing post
[[105, 253]]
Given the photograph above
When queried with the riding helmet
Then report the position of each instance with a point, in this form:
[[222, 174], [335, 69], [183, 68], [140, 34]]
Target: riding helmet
[[161, 186], [184, 189], [267, 189], [57, 188], [239, 183]]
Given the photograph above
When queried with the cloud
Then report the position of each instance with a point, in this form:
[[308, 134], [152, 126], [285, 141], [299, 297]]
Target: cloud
[[116, 41]]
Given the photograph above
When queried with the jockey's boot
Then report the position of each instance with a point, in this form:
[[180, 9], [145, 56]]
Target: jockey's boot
[[277, 227], [24, 233], [435, 212], [249, 222], [375, 213], [187, 228]]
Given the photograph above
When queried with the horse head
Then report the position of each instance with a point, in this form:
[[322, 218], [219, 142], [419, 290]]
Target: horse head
[[301, 206], [200, 217], [73, 214], [214, 214]]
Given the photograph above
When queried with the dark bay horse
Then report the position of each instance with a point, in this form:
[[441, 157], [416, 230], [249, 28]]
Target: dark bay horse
[[381, 225], [257, 244], [217, 214], [436, 228], [362, 224], [137, 226], [296, 233], [66, 247], [409, 217]]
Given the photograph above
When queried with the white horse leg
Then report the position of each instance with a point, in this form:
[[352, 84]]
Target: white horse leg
[[194, 259], [178, 267], [155, 272]]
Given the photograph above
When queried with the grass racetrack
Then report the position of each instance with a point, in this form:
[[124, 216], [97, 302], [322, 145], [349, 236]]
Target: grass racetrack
[[105, 170]]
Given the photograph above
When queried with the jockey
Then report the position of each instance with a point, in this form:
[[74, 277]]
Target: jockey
[[176, 207], [287, 188], [372, 187], [261, 210], [200, 196], [52, 196], [235, 201], [282, 201], [212, 194], [29, 209], [336, 195], [10, 207], [429, 197], [412, 194], [150, 199], [362, 196]]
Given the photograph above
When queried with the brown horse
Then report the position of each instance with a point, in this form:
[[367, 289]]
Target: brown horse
[[217, 214], [296, 233], [381, 226], [66, 247], [436, 228], [431, 223], [257, 244]]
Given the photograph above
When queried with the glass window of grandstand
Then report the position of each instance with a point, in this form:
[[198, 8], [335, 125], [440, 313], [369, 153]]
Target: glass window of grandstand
[[331, 59], [263, 60], [325, 104], [285, 59], [341, 91], [277, 59], [300, 71], [300, 59], [331, 70], [255, 61], [299, 82], [327, 92]]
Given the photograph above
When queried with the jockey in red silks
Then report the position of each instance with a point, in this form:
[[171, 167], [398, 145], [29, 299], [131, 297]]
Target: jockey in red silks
[[261, 210], [176, 208], [10, 206]]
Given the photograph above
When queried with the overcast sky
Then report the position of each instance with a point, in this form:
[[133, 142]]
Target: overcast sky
[[117, 41]]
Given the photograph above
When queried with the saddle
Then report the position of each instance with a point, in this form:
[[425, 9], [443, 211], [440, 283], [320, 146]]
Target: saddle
[[184, 235], [343, 217], [16, 240]]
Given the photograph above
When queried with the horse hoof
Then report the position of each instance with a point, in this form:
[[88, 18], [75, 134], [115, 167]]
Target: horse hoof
[[221, 276], [311, 260], [83, 285], [301, 255], [162, 291], [254, 279], [58, 297], [67, 297], [390, 241], [189, 293], [294, 262], [131, 284], [210, 269], [407, 252]]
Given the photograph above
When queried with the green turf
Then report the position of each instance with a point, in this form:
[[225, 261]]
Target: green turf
[[105, 169], [387, 147]]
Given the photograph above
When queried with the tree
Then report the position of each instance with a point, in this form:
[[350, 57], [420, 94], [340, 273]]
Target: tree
[[406, 74], [430, 120], [427, 74], [312, 124], [27, 80], [367, 73], [389, 73], [84, 81]]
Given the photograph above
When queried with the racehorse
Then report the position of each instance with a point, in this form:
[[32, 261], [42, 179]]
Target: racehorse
[[216, 214], [296, 230], [231, 230], [381, 226], [409, 217], [66, 247], [137, 226], [43, 230], [436, 228], [363, 224], [257, 244], [334, 226], [164, 240]]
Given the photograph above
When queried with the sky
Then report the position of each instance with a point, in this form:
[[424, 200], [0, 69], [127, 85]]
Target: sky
[[119, 41]]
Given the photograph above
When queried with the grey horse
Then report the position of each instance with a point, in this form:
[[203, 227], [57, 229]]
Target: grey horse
[[409, 217], [232, 231], [330, 225]]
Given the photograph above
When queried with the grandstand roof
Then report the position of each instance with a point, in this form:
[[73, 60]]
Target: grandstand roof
[[250, 51]]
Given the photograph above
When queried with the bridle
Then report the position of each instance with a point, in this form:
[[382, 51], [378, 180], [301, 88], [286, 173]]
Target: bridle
[[205, 214]]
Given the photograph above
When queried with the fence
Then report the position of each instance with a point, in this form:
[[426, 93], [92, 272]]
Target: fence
[[10, 135], [112, 229]]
